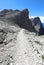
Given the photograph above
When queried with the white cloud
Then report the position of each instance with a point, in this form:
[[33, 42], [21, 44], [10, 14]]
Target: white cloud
[[41, 17]]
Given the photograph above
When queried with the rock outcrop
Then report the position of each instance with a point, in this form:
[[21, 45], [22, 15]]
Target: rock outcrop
[[21, 18], [19, 46], [36, 22]]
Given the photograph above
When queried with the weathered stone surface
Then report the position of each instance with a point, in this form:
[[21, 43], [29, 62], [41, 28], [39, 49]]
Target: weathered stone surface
[[36, 22], [19, 46], [20, 18], [22, 47]]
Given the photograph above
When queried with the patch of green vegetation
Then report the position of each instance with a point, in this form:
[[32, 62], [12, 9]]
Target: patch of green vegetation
[[42, 56], [8, 64], [38, 42]]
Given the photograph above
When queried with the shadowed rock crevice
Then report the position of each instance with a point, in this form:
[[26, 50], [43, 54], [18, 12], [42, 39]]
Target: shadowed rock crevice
[[2, 36]]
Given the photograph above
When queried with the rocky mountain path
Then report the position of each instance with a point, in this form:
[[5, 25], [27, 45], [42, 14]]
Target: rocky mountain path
[[24, 54], [22, 50]]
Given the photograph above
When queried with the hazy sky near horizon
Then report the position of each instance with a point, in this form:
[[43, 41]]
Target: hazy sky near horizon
[[36, 7]]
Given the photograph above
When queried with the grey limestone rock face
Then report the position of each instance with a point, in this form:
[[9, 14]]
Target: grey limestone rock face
[[18, 45], [36, 22], [20, 18], [22, 47]]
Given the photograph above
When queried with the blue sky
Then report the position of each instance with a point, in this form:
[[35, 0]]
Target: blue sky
[[36, 7]]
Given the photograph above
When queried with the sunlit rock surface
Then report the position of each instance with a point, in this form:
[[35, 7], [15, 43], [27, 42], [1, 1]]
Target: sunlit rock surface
[[36, 22], [19, 46]]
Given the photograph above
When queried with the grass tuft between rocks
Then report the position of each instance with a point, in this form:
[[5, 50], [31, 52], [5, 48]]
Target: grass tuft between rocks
[[42, 56], [38, 42]]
